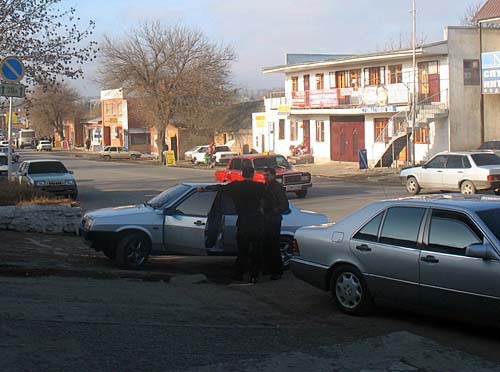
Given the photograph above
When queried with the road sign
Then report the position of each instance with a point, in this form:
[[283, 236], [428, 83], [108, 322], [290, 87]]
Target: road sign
[[12, 90], [11, 69]]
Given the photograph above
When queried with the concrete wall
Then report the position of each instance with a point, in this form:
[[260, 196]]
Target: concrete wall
[[491, 43]]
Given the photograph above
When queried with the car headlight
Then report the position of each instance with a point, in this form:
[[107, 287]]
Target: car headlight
[[87, 223], [69, 182], [305, 177], [41, 183], [280, 180]]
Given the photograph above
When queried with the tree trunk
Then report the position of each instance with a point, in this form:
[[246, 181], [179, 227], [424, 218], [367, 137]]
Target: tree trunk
[[160, 142]]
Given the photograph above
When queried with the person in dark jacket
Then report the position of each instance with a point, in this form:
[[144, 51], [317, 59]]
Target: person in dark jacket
[[275, 204], [248, 196]]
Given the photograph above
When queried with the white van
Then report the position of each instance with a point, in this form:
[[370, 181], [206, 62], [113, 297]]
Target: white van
[[25, 138]]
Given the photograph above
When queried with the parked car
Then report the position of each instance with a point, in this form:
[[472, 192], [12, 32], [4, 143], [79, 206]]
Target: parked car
[[4, 167], [431, 253], [15, 155], [49, 176], [467, 172], [180, 220], [222, 154], [118, 152], [44, 145], [188, 155], [5, 143], [293, 180], [492, 146]]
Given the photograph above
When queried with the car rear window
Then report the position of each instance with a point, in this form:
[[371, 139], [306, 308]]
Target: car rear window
[[491, 219], [47, 167], [486, 159], [222, 148]]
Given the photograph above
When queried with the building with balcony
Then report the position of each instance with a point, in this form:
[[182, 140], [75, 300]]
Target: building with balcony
[[341, 104]]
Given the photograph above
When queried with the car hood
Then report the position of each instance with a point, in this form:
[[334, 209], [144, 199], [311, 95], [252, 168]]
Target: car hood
[[51, 176], [126, 210], [409, 170]]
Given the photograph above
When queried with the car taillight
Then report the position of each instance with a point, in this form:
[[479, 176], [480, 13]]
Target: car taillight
[[495, 177], [296, 251]]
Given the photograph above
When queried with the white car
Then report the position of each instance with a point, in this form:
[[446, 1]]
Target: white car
[[5, 143], [467, 171], [4, 167], [222, 154], [118, 152], [44, 145], [188, 155]]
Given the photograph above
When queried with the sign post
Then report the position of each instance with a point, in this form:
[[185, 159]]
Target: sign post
[[11, 71]]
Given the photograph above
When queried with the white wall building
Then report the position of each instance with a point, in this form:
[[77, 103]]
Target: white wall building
[[342, 104]]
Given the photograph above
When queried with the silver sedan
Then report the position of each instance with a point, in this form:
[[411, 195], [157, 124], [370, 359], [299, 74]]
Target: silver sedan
[[436, 253]]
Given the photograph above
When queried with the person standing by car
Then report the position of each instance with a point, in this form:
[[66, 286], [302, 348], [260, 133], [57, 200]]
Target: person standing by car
[[275, 204], [248, 197]]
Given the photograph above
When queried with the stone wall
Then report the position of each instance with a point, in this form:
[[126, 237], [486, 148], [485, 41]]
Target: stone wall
[[49, 219]]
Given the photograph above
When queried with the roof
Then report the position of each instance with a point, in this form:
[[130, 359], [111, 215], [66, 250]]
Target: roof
[[427, 49], [471, 152], [42, 161], [292, 58], [237, 116], [489, 11], [468, 202], [254, 156]]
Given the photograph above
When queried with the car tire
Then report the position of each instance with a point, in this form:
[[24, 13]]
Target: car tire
[[133, 157], [467, 188], [350, 291], [412, 186], [286, 248], [301, 194], [106, 158], [132, 251]]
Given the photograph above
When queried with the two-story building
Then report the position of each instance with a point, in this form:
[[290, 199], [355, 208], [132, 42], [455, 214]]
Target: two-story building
[[342, 104]]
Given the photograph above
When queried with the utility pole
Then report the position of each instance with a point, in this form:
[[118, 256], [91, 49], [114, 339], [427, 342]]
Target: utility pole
[[414, 104]]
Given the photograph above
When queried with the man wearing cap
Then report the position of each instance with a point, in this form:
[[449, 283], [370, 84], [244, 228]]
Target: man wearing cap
[[275, 204], [248, 197]]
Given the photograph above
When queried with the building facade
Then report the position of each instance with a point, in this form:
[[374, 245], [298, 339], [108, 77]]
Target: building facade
[[341, 105]]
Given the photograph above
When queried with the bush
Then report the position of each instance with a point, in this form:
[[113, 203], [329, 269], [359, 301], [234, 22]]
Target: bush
[[12, 193]]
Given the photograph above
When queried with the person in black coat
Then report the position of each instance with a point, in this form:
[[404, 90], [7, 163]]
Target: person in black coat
[[275, 204], [248, 197]]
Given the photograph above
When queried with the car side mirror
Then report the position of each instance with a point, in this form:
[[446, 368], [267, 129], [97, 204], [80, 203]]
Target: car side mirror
[[71, 172], [168, 212], [484, 251], [424, 166]]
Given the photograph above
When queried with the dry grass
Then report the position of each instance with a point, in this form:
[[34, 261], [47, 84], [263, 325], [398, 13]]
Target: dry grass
[[12, 193]]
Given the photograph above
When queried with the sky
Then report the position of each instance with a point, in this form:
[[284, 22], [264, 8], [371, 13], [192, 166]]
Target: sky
[[262, 31]]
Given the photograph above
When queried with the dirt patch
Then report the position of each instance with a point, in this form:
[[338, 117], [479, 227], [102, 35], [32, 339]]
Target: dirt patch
[[13, 193]]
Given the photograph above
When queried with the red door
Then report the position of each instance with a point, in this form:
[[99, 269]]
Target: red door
[[347, 136], [107, 136], [307, 135], [434, 88]]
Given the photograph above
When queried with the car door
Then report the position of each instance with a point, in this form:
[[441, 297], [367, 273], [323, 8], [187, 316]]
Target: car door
[[221, 226], [234, 171], [184, 224], [431, 175], [387, 247], [449, 280], [122, 153], [454, 171]]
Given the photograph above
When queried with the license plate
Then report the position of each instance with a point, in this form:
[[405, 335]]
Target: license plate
[[294, 187]]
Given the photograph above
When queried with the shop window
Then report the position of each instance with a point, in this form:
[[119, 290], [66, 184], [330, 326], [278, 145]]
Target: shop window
[[281, 129], [421, 135], [471, 72], [140, 139], [374, 76], [320, 82], [295, 83], [395, 74], [381, 134], [320, 131], [294, 130]]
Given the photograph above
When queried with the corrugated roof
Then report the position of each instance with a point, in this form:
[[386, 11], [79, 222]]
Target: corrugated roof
[[490, 10], [293, 58]]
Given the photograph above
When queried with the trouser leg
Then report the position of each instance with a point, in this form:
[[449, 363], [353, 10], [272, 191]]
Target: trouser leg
[[243, 248], [272, 241]]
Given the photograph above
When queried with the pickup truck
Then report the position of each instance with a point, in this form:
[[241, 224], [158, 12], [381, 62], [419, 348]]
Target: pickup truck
[[293, 180]]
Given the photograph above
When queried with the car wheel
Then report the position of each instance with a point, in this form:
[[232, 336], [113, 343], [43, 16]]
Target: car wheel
[[286, 248], [497, 191], [350, 291], [412, 186], [133, 157], [132, 251], [301, 194], [106, 158], [467, 188]]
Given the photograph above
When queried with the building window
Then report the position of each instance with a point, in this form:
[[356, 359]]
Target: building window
[[471, 72], [380, 126], [140, 139], [374, 76], [421, 135], [108, 109], [355, 78], [320, 131], [295, 83], [113, 108], [119, 108], [332, 80], [395, 74], [294, 130], [320, 85], [342, 79], [281, 129]]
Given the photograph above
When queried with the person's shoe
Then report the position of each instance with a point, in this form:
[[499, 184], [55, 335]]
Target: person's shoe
[[275, 277]]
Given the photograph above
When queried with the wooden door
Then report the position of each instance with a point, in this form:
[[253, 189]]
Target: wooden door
[[307, 135], [347, 137], [107, 136], [434, 88]]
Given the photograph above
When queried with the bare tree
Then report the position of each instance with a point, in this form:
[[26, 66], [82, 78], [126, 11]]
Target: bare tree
[[47, 38], [402, 42], [469, 16], [175, 71], [50, 106]]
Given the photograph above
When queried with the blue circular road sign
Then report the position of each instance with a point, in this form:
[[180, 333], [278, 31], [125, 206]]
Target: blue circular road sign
[[12, 69]]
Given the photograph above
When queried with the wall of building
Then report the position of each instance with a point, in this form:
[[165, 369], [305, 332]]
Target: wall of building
[[491, 43]]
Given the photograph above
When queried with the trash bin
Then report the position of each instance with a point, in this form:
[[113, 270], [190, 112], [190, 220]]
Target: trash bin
[[362, 159]]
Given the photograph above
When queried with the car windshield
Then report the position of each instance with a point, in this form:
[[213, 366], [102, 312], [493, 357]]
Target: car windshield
[[271, 162], [486, 159], [222, 148], [3, 160], [28, 134], [490, 218], [193, 149], [47, 167], [44, 142], [168, 196]]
